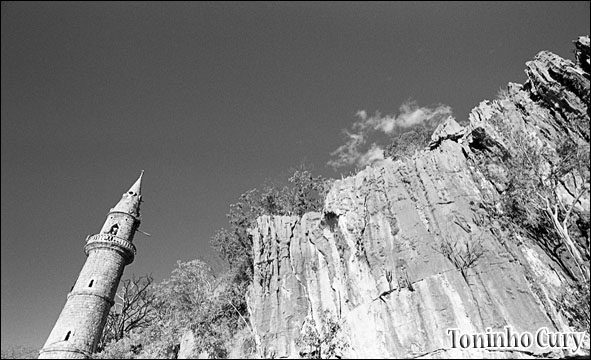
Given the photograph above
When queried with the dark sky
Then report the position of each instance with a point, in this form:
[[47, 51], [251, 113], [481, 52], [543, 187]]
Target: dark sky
[[212, 99]]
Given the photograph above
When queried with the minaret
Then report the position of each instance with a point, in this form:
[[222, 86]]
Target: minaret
[[80, 324]]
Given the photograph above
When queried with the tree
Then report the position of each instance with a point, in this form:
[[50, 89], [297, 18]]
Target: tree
[[133, 309], [307, 192], [19, 352], [303, 193], [406, 143], [193, 299], [535, 173], [535, 184]]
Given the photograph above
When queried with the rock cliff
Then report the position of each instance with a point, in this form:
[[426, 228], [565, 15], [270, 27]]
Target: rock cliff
[[406, 249]]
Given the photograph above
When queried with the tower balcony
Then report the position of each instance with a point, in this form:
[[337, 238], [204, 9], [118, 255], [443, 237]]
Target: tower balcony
[[108, 241]]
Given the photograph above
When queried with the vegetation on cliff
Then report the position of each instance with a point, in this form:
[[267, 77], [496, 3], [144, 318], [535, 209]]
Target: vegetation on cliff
[[150, 319], [531, 145]]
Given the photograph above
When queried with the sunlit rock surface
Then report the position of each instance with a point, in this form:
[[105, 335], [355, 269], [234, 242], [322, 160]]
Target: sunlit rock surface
[[372, 260]]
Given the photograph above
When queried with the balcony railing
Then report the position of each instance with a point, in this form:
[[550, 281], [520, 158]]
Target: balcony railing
[[108, 239]]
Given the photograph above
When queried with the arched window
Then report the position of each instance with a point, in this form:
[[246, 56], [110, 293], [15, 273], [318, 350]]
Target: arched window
[[67, 336], [91, 282], [114, 229]]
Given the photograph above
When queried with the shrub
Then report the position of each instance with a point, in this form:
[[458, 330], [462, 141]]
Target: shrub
[[327, 343], [304, 193], [575, 302], [463, 256], [406, 143], [214, 307]]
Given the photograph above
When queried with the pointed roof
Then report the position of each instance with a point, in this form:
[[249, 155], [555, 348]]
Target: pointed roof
[[136, 188], [130, 201]]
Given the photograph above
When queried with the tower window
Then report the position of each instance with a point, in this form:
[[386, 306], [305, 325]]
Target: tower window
[[91, 282], [114, 229], [67, 336]]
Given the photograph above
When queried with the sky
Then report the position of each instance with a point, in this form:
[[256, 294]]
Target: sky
[[212, 100]]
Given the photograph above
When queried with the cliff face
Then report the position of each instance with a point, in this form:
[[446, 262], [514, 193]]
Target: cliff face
[[378, 273]]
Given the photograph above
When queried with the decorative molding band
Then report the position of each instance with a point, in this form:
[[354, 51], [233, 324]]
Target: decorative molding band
[[109, 241]]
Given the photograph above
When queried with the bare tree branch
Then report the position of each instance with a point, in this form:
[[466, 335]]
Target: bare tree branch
[[134, 308]]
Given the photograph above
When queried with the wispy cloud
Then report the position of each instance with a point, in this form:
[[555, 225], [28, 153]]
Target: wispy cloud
[[410, 114], [348, 153]]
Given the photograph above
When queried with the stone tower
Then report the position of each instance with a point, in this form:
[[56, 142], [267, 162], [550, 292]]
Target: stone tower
[[80, 324]]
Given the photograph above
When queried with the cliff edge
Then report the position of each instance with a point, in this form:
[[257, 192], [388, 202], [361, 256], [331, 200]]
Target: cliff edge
[[406, 250]]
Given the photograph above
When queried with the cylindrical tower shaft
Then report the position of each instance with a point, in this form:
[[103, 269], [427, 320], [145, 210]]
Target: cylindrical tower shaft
[[81, 322]]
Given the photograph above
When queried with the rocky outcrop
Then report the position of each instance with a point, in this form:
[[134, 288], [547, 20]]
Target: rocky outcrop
[[448, 130], [405, 250], [583, 53]]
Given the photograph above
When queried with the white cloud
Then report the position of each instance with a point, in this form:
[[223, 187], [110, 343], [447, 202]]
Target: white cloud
[[374, 153], [361, 114], [410, 114], [348, 153]]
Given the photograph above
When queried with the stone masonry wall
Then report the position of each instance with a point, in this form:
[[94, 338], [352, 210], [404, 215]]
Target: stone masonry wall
[[87, 306]]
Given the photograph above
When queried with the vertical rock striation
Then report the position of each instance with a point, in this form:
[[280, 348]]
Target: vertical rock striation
[[373, 261]]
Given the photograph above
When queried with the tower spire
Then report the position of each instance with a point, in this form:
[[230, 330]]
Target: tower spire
[[137, 186], [130, 201]]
